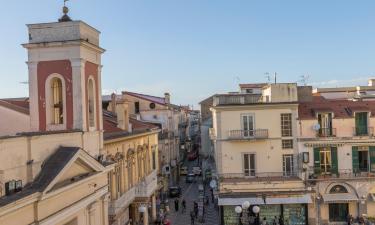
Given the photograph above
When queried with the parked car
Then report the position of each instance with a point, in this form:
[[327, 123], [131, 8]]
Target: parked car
[[174, 191], [183, 170], [197, 170], [190, 178]]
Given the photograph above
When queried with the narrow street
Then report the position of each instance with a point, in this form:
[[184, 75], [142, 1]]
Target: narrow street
[[190, 194]]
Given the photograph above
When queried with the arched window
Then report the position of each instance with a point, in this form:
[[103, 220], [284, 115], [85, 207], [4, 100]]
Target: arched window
[[91, 102], [338, 189], [57, 111]]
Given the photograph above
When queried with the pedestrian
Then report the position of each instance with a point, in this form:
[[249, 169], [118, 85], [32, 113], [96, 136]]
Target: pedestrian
[[212, 195], [275, 220], [264, 222], [196, 209], [176, 203], [350, 219], [281, 221], [192, 217], [183, 205]]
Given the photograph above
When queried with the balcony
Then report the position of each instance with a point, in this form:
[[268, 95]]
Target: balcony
[[363, 131], [255, 176], [318, 174], [124, 201], [248, 134], [236, 99], [326, 132], [147, 186]]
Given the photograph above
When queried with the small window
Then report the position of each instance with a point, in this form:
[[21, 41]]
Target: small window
[[57, 101], [153, 160], [249, 164], [136, 107], [249, 91], [286, 144], [152, 105]]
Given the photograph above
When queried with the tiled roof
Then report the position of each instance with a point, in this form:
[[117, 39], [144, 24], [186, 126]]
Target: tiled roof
[[50, 169], [17, 104], [111, 130], [340, 108], [150, 98]]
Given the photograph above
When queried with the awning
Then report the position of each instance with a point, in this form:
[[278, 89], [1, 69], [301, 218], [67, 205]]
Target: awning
[[292, 199], [300, 199], [338, 198], [239, 201]]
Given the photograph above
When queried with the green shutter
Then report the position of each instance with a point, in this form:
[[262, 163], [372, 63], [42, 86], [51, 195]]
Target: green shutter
[[355, 159], [372, 159], [335, 168], [317, 160], [361, 123]]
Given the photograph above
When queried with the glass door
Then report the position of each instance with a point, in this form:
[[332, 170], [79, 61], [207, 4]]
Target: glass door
[[287, 165], [325, 161], [248, 125]]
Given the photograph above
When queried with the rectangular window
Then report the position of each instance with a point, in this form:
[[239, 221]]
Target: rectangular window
[[287, 144], [249, 164], [286, 124], [361, 123], [153, 161], [248, 125], [136, 107], [288, 165], [325, 122], [249, 91], [325, 161]]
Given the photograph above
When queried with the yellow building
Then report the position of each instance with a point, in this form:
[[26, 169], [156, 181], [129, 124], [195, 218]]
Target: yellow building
[[132, 146], [257, 156]]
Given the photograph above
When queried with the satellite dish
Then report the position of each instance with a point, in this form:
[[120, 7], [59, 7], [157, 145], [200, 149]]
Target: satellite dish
[[316, 126]]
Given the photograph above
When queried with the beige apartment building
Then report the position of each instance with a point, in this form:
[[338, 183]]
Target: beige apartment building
[[51, 143], [257, 156], [132, 146]]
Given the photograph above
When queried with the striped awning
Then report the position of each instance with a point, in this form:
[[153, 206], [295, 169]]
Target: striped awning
[[340, 198]]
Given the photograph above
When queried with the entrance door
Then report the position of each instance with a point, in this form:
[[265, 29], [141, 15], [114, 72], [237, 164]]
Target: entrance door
[[287, 165], [338, 212]]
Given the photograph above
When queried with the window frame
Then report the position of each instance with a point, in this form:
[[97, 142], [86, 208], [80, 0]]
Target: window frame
[[91, 79], [284, 146], [251, 171], [49, 102], [285, 130]]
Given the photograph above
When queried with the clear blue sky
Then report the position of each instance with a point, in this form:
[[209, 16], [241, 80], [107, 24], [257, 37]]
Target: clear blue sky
[[195, 48]]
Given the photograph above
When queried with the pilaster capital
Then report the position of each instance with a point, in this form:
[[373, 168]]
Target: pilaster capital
[[78, 62], [32, 64]]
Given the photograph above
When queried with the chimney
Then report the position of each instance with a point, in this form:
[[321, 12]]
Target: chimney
[[113, 102], [167, 98], [122, 112], [371, 82]]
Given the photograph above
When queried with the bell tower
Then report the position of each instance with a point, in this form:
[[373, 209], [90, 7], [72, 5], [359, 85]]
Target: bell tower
[[64, 62]]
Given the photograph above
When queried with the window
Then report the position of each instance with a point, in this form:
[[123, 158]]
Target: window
[[91, 102], [153, 160], [361, 123], [249, 164], [337, 189], [338, 212], [288, 165], [248, 125], [57, 101], [286, 124], [325, 122], [249, 91], [325, 161], [286, 144], [152, 105], [136, 107]]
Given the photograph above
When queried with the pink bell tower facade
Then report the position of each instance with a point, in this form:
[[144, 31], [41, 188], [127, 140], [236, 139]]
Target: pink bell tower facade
[[64, 62]]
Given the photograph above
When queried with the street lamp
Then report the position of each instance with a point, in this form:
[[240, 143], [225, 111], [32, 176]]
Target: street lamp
[[238, 210], [242, 212]]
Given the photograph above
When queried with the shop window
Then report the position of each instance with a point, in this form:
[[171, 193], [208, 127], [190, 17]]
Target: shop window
[[338, 212]]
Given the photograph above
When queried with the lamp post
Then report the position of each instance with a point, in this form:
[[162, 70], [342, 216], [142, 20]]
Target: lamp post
[[256, 211], [242, 213]]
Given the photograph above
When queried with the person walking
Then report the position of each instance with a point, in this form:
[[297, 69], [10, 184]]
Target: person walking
[[183, 205], [176, 203], [264, 222], [192, 217], [196, 209]]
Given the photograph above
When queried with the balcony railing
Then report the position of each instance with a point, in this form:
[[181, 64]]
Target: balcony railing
[[236, 99], [363, 131], [122, 202], [326, 132], [146, 187], [248, 134], [252, 175], [319, 174]]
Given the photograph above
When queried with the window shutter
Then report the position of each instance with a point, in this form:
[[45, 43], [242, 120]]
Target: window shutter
[[317, 160], [355, 159], [372, 158], [334, 160]]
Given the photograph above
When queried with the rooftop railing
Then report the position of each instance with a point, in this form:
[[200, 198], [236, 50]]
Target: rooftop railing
[[236, 99]]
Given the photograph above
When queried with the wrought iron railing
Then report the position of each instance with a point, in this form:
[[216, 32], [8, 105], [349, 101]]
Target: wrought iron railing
[[326, 132], [260, 175], [320, 174], [363, 131], [248, 134]]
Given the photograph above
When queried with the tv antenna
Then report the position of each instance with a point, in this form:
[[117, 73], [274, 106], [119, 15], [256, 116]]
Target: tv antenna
[[267, 75], [304, 79]]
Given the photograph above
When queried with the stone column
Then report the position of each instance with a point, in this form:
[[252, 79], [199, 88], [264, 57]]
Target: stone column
[[145, 217], [153, 207], [105, 201]]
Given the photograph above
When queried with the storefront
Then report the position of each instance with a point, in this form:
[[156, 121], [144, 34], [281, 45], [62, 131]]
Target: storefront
[[292, 210]]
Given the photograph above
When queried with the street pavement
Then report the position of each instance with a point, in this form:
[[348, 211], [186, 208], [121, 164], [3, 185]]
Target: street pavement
[[190, 194]]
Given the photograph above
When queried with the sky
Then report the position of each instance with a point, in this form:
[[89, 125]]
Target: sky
[[195, 48]]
